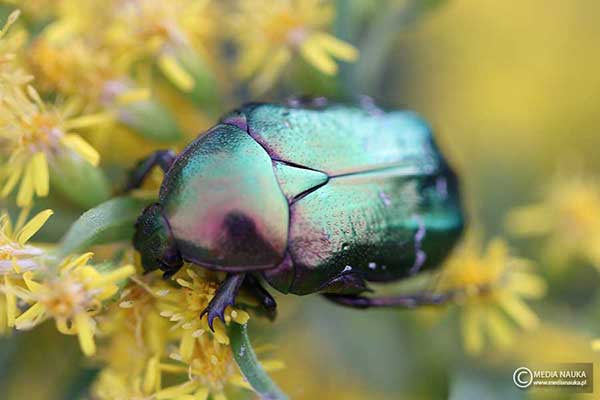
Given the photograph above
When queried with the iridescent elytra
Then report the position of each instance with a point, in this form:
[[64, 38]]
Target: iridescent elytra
[[309, 197]]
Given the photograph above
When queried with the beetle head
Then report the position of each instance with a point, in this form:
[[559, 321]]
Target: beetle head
[[155, 242]]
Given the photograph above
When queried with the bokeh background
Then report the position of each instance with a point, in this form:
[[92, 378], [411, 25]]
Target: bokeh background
[[512, 91]]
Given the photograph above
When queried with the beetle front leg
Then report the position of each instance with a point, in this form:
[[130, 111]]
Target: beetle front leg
[[405, 301], [224, 296], [162, 158]]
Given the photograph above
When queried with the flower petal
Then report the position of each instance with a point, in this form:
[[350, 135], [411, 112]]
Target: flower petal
[[112, 277], [151, 377], [316, 55], [519, 311], [81, 147], [33, 226], [176, 73], [336, 47], [176, 391], [13, 178], [25, 194], [85, 333], [473, 339], [30, 317], [11, 303], [133, 96], [85, 121]]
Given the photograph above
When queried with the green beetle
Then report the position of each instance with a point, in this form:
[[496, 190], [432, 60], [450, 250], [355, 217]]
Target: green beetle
[[312, 198]]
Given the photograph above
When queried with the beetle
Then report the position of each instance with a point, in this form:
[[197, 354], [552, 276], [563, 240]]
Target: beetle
[[308, 196]]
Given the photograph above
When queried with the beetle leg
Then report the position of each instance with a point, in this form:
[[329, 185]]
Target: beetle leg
[[257, 291], [162, 158], [347, 283], [317, 103], [260, 293], [368, 104], [408, 301], [224, 296]]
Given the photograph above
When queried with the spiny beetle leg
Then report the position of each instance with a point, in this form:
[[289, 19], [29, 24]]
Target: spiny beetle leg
[[256, 290], [162, 158], [224, 296], [368, 104], [317, 103], [168, 274], [347, 283], [407, 301]]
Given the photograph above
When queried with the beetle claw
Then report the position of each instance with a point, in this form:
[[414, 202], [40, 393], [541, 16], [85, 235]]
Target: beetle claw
[[212, 313], [224, 297]]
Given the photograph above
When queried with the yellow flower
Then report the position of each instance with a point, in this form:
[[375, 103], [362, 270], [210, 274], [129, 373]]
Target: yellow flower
[[155, 330], [207, 370], [210, 368], [73, 297], [137, 340], [69, 64], [158, 30], [17, 257], [493, 286], [66, 57], [204, 358], [32, 135], [183, 306], [268, 33], [569, 219]]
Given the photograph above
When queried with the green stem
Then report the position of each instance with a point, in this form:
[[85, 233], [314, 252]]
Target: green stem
[[249, 365], [379, 40]]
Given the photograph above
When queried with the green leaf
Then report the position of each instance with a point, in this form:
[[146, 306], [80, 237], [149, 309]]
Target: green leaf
[[205, 92], [112, 221], [79, 181], [250, 366], [151, 120]]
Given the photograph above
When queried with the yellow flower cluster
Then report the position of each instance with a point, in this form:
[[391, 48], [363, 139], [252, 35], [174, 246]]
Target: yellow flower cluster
[[33, 134], [149, 330], [73, 297], [154, 335], [91, 60], [32, 292], [101, 56]]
